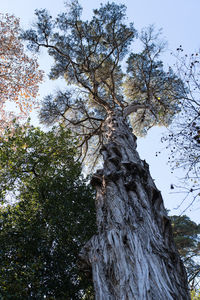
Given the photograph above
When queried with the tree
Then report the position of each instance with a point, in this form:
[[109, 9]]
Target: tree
[[52, 216], [19, 74], [183, 137], [133, 256], [187, 241]]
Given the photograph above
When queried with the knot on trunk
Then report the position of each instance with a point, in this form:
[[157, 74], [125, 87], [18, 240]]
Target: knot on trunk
[[84, 263], [97, 178]]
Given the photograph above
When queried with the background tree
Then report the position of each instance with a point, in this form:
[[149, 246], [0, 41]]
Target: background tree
[[187, 241], [133, 255], [183, 137], [53, 216], [19, 74]]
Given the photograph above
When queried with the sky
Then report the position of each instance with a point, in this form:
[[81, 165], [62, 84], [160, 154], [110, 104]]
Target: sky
[[180, 22]]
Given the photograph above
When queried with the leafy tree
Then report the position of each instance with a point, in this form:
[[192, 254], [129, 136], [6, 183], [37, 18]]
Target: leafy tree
[[187, 241], [133, 256], [19, 74], [53, 216], [88, 54]]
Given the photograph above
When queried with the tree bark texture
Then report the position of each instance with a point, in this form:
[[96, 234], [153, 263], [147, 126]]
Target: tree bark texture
[[133, 256]]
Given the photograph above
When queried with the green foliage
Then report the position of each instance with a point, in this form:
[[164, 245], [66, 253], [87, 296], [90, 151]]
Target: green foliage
[[195, 295], [185, 233], [53, 216], [26, 153], [86, 53], [148, 83], [186, 236], [90, 56]]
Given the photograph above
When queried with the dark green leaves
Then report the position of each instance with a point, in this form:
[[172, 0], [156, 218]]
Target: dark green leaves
[[186, 236], [54, 216], [26, 153]]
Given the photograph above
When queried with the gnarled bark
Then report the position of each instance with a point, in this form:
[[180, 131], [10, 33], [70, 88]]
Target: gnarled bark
[[133, 256]]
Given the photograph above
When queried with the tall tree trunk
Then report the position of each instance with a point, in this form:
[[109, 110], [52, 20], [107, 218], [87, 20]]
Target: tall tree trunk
[[133, 256]]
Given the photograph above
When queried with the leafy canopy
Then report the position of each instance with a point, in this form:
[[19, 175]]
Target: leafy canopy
[[19, 73], [186, 236], [90, 56], [53, 216]]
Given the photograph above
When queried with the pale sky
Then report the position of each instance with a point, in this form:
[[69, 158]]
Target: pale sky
[[181, 26]]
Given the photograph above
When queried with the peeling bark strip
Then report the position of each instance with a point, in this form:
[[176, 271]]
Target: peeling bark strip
[[133, 256]]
